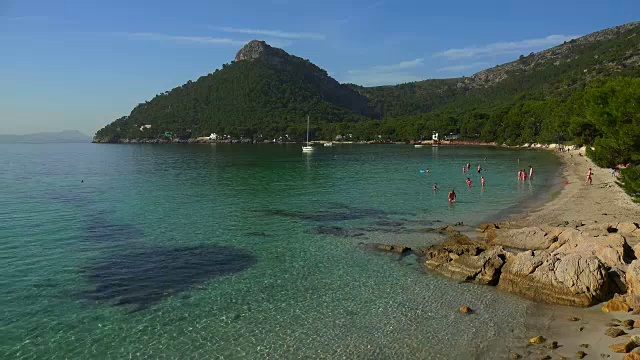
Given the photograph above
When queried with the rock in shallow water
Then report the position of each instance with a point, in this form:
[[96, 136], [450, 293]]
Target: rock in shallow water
[[483, 268]]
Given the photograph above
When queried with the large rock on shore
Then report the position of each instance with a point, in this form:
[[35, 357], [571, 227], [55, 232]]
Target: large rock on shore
[[576, 279], [461, 258], [633, 284], [611, 249], [569, 263], [529, 238], [483, 268]]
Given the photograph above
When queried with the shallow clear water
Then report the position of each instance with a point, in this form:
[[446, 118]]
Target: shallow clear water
[[246, 251]]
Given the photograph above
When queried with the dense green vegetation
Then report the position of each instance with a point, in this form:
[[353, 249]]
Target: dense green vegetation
[[584, 92]]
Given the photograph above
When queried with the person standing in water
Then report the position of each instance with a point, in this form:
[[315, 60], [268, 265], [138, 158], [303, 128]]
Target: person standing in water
[[479, 169], [464, 169], [482, 180], [435, 187], [468, 166], [589, 179], [452, 196], [530, 173], [468, 182]]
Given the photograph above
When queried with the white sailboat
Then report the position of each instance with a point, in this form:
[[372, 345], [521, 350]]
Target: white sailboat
[[308, 147]]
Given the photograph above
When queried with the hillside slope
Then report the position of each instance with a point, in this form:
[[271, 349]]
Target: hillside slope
[[265, 90], [556, 72], [266, 93]]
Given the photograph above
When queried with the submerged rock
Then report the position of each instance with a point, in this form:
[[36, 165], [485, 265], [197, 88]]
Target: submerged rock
[[581, 354], [394, 248]]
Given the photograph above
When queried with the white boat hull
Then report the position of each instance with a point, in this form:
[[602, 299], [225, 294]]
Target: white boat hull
[[307, 148]]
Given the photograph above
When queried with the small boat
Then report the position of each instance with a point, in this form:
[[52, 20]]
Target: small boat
[[328, 144], [308, 147], [418, 145]]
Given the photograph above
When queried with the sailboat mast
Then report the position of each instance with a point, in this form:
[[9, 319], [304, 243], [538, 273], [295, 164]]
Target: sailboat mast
[[307, 130]]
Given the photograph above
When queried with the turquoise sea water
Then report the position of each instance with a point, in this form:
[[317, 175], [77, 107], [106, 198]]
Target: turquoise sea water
[[260, 251]]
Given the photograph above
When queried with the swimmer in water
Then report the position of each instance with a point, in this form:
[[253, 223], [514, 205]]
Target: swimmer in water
[[435, 187], [468, 182], [452, 196]]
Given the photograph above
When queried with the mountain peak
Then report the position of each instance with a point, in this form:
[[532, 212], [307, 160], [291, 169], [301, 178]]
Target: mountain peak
[[259, 49]]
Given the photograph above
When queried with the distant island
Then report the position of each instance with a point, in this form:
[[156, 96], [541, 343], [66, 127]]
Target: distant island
[[66, 136]]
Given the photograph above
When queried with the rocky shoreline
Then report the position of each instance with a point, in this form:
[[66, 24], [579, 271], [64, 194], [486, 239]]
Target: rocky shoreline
[[580, 249], [573, 264]]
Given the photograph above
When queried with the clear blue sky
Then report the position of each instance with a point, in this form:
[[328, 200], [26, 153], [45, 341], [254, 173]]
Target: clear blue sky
[[79, 64]]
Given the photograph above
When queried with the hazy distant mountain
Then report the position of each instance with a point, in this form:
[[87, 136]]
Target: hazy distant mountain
[[67, 136]]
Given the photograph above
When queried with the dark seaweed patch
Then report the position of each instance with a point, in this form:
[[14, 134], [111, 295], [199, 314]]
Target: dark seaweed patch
[[257, 234], [337, 212], [101, 230], [336, 231], [139, 278]]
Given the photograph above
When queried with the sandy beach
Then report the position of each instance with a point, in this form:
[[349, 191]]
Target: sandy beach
[[602, 202]]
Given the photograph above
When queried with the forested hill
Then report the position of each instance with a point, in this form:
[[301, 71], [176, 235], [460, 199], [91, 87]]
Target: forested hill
[[264, 90], [266, 93], [555, 72]]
